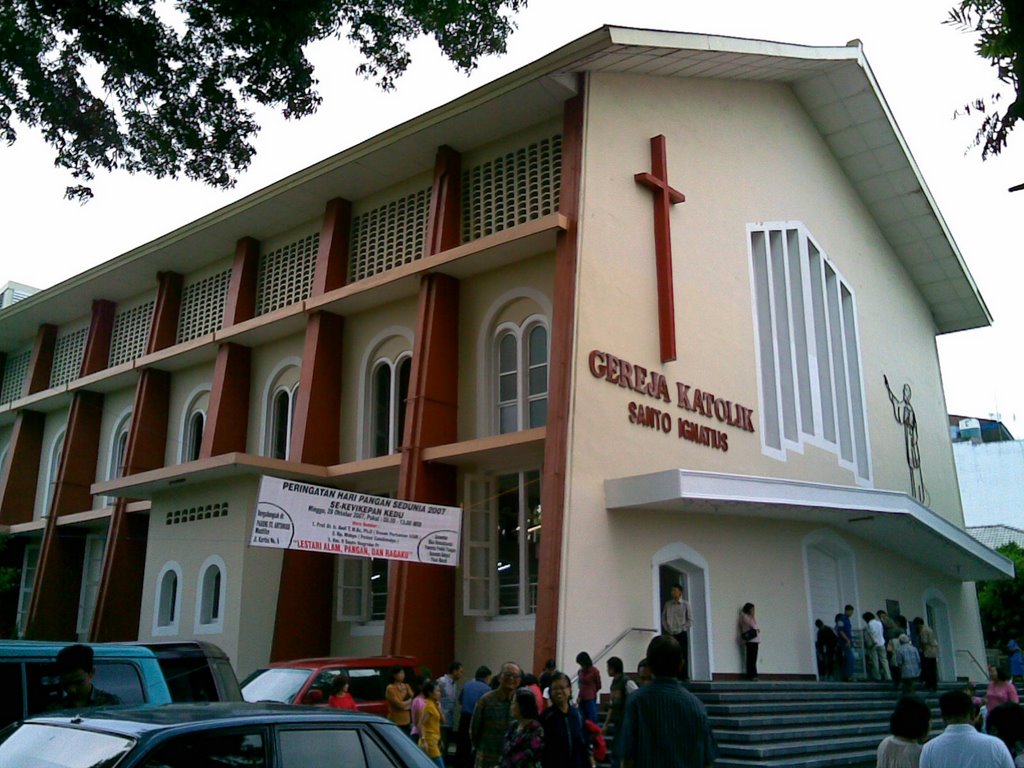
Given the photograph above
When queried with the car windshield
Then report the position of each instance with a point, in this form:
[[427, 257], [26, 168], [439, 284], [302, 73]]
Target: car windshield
[[37, 745], [274, 684]]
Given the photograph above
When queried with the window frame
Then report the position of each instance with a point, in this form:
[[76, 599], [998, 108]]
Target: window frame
[[198, 406], [90, 589], [53, 471], [284, 380], [213, 593], [521, 333], [25, 590], [171, 626], [395, 411]]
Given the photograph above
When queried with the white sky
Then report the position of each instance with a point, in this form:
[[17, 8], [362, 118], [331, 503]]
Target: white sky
[[926, 70]]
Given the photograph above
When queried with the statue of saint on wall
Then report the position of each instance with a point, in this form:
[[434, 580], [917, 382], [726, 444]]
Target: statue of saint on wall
[[904, 413]]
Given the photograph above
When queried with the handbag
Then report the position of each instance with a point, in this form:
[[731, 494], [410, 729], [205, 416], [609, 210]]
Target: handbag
[[749, 635]]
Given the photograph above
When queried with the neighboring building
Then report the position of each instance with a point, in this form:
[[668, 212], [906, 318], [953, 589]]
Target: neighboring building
[[990, 468], [13, 292], [995, 536], [466, 310]]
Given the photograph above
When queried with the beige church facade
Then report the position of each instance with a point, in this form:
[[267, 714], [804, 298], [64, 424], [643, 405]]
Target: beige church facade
[[482, 308]]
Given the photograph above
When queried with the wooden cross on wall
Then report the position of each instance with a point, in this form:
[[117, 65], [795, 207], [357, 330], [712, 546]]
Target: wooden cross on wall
[[664, 198]]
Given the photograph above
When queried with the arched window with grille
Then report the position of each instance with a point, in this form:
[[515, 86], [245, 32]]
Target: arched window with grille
[[389, 388], [211, 596], [166, 604], [279, 414], [193, 425]]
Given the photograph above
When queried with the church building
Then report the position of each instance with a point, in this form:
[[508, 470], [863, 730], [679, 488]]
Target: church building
[[656, 308]]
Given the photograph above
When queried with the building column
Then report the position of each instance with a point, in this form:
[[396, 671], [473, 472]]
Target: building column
[[163, 331], [21, 469], [423, 595], [556, 443], [53, 612], [41, 363], [97, 344], [303, 620], [119, 602]]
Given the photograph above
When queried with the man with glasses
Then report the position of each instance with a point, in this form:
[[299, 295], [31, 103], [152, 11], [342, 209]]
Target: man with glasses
[[492, 716]]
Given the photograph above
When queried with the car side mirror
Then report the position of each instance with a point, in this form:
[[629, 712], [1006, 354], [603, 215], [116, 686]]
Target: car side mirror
[[313, 696]]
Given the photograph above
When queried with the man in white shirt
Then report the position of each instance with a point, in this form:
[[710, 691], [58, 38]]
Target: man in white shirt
[[960, 745], [676, 620], [874, 648]]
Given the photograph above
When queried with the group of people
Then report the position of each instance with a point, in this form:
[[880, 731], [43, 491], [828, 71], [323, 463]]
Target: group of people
[[895, 650], [517, 720], [978, 732]]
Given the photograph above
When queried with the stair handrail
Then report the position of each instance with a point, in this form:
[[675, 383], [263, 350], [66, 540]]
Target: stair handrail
[[984, 672], [618, 639]]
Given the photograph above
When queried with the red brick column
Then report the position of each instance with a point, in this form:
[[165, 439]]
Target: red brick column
[[53, 612], [241, 300], [97, 343], [163, 331], [124, 561], [21, 469], [424, 595], [556, 444], [41, 362]]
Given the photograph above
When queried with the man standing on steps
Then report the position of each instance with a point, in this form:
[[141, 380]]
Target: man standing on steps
[[676, 620], [665, 725], [874, 648], [960, 745], [929, 654]]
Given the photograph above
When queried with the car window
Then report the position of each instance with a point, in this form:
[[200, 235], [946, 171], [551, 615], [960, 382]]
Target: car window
[[336, 747], [275, 685], [35, 745], [42, 683], [121, 679], [188, 678], [366, 684], [11, 700], [235, 749], [322, 682], [376, 757]]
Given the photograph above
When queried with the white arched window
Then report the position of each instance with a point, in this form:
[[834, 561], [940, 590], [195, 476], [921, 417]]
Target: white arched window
[[52, 470], [521, 375], [118, 451], [280, 413], [193, 425], [166, 606], [211, 596], [389, 388]]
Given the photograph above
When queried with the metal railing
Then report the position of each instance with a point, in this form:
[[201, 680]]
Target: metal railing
[[984, 672], [618, 639]]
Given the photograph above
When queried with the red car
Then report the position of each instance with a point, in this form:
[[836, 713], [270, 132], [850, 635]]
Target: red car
[[308, 681]]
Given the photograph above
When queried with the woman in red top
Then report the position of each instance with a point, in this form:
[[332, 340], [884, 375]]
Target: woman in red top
[[589, 684], [340, 697]]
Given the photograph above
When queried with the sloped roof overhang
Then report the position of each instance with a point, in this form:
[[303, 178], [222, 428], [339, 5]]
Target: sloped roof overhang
[[834, 84], [887, 519]]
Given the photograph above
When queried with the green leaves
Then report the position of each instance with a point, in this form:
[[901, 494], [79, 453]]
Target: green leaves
[[1000, 28], [1000, 602], [143, 87]]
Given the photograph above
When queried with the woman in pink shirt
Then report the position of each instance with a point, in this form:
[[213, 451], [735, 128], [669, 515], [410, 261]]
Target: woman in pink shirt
[[1000, 688]]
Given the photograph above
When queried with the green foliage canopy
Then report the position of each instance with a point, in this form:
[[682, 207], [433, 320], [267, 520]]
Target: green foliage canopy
[[1000, 28], [1000, 601], [161, 88]]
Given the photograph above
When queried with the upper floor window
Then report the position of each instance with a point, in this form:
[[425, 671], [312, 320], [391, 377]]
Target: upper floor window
[[502, 545], [389, 387], [362, 589], [193, 426], [280, 413], [92, 572], [52, 472], [808, 349], [521, 375], [28, 580], [119, 448]]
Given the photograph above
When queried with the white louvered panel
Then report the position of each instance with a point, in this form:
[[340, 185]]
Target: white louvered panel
[[196, 514], [286, 275], [131, 332], [202, 306], [512, 189], [15, 371], [389, 236], [67, 356]]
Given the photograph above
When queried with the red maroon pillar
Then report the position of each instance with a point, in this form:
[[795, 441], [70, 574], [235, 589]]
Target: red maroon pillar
[[41, 362], [227, 419], [53, 612], [545, 637], [163, 331], [241, 299], [423, 595], [97, 343], [303, 621], [124, 561], [21, 469]]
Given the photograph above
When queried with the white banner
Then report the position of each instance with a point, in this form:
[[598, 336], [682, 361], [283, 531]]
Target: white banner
[[314, 518]]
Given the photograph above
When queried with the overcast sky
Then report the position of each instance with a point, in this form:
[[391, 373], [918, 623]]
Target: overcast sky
[[926, 70]]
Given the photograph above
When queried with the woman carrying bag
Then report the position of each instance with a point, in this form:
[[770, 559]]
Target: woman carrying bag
[[750, 636]]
